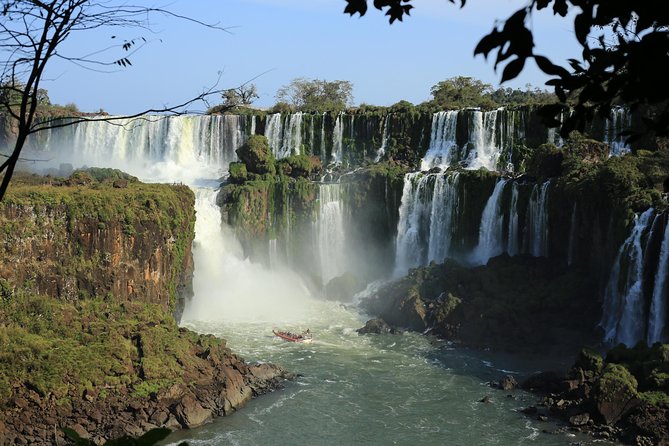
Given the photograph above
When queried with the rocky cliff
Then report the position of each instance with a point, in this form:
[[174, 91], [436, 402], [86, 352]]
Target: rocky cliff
[[91, 269]]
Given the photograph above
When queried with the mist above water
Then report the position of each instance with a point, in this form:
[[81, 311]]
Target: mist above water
[[229, 288]]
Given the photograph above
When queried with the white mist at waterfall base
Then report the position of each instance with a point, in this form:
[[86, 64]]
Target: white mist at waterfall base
[[228, 287]]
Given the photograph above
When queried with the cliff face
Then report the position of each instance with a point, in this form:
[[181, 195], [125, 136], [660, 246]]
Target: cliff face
[[90, 273], [76, 241]]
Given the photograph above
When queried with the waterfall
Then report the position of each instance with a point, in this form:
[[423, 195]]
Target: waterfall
[[384, 139], [151, 146], [284, 134], [489, 134], [228, 287], [311, 133], [491, 227], [482, 142], [330, 231], [444, 207], [323, 137], [426, 219], [443, 147], [658, 308], [273, 132], [292, 140], [620, 120], [622, 315], [338, 140], [536, 229], [408, 249], [513, 240], [253, 125]]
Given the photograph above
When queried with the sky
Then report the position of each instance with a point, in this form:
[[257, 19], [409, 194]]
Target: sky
[[271, 42]]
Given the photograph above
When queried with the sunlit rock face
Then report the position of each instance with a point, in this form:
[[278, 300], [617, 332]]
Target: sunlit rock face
[[70, 241]]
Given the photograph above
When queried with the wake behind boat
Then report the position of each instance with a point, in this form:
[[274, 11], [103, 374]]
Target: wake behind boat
[[305, 337]]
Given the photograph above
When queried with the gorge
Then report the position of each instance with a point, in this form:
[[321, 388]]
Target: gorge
[[574, 241]]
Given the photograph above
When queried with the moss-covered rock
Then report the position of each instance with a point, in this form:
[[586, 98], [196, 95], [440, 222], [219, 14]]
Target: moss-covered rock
[[238, 173], [615, 393], [257, 155], [590, 360], [301, 166]]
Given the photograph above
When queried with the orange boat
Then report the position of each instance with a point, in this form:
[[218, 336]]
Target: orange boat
[[304, 337]]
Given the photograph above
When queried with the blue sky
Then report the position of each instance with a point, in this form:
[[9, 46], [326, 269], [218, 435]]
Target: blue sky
[[275, 41]]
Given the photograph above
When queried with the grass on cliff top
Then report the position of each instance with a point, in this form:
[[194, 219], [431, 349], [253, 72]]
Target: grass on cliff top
[[59, 349], [100, 200]]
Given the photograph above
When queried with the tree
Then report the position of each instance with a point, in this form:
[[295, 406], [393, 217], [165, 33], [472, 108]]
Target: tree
[[460, 92], [625, 56], [316, 95], [243, 95], [32, 33]]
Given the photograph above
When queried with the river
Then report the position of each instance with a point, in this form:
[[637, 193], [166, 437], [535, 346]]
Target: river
[[405, 389]]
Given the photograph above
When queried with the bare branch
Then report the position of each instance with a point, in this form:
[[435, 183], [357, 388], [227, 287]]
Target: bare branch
[[31, 33]]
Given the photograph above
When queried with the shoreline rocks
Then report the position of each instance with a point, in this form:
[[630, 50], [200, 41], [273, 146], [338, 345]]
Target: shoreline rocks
[[611, 398], [224, 386]]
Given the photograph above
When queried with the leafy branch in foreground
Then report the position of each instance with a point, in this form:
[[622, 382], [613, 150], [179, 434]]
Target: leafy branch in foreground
[[624, 58]]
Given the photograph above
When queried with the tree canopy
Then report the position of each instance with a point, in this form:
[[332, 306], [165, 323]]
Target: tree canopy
[[624, 59], [462, 92], [315, 95]]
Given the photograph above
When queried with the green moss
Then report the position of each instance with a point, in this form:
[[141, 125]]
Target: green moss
[[257, 155], [106, 174], [615, 381], [300, 166], [62, 348], [590, 360], [238, 172], [655, 398]]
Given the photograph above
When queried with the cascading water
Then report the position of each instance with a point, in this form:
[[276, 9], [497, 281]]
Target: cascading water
[[621, 120], [153, 147], [491, 228], [338, 140], [330, 230], [408, 249], [228, 287], [484, 150], [622, 316], [443, 208], [443, 146], [274, 133], [292, 140], [513, 241], [489, 135], [430, 227], [657, 320], [384, 139], [536, 229], [284, 134]]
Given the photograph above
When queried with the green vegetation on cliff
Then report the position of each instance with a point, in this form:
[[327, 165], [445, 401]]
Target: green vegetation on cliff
[[102, 345], [69, 240], [69, 318]]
